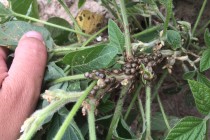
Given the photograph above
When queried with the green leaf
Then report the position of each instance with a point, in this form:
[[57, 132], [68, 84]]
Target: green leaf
[[205, 60], [71, 133], [116, 37], [81, 3], [201, 95], [189, 128], [11, 32], [189, 75], [4, 11], [207, 38], [174, 39], [59, 36], [91, 58], [203, 79], [21, 6]]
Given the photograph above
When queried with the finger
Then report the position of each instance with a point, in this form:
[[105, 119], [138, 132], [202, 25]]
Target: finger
[[21, 88], [3, 66], [29, 62]]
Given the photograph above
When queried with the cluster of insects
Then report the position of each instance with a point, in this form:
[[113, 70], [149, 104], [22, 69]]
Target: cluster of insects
[[132, 70]]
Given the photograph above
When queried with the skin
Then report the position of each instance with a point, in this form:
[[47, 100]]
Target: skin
[[20, 84]]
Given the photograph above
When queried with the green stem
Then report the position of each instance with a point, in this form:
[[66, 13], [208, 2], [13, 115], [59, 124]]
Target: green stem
[[49, 24], [117, 10], [63, 50], [132, 102], [67, 78], [163, 113], [70, 15], [138, 25], [106, 5], [203, 28], [157, 86], [174, 20], [94, 36], [39, 117], [91, 120], [147, 31], [142, 113], [117, 112], [161, 17], [199, 17], [207, 129], [168, 16], [148, 112], [126, 28], [72, 113]]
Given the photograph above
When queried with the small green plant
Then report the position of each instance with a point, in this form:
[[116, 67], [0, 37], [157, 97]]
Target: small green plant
[[98, 90]]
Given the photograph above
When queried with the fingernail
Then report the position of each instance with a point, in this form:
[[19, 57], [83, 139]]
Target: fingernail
[[34, 34]]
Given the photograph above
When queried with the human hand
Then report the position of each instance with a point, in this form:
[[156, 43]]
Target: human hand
[[20, 85]]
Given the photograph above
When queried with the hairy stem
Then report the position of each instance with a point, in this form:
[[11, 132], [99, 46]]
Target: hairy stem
[[117, 112], [49, 24], [91, 120], [157, 86], [168, 16], [94, 36], [126, 28], [36, 120], [202, 29], [142, 113], [72, 113], [199, 17], [69, 13], [67, 78], [163, 113], [132, 102], [147, 31], [148, 112]]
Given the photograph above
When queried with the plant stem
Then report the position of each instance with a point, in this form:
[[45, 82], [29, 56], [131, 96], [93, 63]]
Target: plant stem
[[118, 111], [207, 129], [147, 31], [203, 28], [67, 78], [199, 17], [148, 112], [94, 36], [142, 113], [116, 8], [70, 15], [126, 28], [73, 111], [163, 113], [63, 50], [157, 86], [132, 102], [49, 24], [168, 16], [91, 120], [174, 20], [106, 5], [38, 118]]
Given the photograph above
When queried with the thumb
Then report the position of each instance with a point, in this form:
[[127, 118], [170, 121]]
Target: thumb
[[29, 62], [21, 88]]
